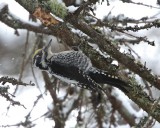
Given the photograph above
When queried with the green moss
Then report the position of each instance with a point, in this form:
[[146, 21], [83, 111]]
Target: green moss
[[58, 9]]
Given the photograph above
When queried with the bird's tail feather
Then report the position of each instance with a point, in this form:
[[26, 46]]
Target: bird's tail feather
[[102, 77]]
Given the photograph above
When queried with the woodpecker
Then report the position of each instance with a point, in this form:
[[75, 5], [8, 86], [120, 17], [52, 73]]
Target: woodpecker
[[75, 67]]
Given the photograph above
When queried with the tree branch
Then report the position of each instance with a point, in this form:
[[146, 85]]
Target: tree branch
[[7, 18]]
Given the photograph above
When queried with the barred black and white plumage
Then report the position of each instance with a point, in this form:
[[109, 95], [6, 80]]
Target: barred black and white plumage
[[76, 68]]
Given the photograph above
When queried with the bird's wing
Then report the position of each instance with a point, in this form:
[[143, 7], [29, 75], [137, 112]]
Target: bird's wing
[[72, 58], [73, 73]]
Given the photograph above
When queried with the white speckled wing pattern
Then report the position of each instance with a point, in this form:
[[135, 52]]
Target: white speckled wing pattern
[[72, 67], [73, 58]]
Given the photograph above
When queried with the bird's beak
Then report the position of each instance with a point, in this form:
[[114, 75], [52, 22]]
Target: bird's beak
[[45, 49]]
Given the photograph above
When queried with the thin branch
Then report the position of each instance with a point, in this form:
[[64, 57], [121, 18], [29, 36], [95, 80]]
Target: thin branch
[[14, 81], [138, 3], [7, 18], [24, 57]]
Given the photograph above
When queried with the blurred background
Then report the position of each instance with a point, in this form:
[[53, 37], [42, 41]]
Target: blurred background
[[17, 47]]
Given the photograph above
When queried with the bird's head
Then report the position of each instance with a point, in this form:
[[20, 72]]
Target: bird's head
[[41, 56]]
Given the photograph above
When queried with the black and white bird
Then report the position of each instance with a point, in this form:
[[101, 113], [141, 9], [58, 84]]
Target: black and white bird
[[76, 68]]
